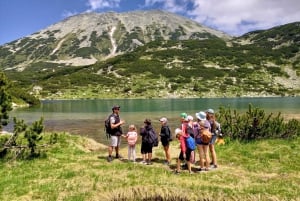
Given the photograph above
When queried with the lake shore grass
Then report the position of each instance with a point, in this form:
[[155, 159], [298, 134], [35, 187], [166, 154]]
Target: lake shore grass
[[75, 168]]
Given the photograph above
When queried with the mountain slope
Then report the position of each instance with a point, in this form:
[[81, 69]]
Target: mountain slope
[[87, 38], [163, 56]]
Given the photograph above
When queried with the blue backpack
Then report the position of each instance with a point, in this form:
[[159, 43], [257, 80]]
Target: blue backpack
[[190, 143]]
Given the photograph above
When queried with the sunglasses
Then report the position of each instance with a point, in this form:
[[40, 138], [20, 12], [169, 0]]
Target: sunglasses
[[117, 109]]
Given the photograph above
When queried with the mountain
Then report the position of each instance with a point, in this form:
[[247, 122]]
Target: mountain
[[152, 54], [86, 38]]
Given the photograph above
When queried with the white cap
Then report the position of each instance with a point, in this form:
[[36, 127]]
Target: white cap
[[163, 119], [201, 115], [177, 131], [211, 111], [190, 118]]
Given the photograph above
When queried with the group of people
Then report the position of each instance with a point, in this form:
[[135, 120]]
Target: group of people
[[205, 125]]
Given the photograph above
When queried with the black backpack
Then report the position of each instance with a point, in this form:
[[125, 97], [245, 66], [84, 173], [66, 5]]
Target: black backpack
[[152, 138], [107, 127]]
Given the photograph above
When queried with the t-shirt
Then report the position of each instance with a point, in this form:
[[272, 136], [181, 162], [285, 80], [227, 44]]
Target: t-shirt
[[131, 137]]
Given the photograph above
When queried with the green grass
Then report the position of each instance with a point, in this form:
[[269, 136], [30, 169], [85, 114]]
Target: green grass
[[68, 170]]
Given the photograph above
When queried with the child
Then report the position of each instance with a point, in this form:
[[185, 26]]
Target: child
[[165, 138], [131, 139], [185, 153]]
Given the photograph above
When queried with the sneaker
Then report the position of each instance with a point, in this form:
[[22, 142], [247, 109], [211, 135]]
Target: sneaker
[[109, 159], [206, 169], [191, 172], [149, 163], [143, 162], [176, 172], [184, 166], [214, 166], [166, 163]]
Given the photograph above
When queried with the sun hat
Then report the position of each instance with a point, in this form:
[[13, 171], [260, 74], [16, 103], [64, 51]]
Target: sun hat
[[190, 118], [163, 119], [177, 131], [201, 115], [211, 111], [204, 123]]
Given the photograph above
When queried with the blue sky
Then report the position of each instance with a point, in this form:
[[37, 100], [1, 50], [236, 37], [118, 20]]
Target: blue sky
[[19, 18]]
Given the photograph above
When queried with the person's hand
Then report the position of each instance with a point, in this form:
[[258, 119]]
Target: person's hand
[[184, 156], [122, 122]]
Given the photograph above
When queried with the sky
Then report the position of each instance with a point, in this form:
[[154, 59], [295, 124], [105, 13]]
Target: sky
[[20, 18]]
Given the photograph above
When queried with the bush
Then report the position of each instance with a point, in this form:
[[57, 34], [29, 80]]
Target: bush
[[256, 124]]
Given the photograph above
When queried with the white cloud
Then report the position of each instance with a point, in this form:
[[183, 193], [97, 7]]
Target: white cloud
[[68, 13], [170, 5], [99, 4], [238, 17], [235, 17]]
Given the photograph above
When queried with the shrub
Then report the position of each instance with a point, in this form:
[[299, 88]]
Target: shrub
[[256, 124]]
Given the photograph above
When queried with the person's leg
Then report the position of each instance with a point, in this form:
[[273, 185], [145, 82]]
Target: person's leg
[[206, 156], [180, 158], [133, 153], [118, 145], [129, 152], [167, 153], [188, 160], [201, 155], [213, 155]]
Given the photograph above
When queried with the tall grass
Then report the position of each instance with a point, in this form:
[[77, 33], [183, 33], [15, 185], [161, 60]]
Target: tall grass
[[259, 170]]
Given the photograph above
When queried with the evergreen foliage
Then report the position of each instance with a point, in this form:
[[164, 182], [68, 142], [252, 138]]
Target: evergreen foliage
[[5, 100], [255, 124]]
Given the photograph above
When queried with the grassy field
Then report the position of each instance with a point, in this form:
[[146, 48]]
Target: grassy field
[[76, 169]]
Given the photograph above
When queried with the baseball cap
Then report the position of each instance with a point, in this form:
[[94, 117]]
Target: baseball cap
[[211, 111], [190, 118], [201, 115], [163, 119], [183, 115], [115, 107], [177, 131]]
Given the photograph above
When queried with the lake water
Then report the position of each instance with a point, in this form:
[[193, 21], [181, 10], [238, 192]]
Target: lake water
[[86, 117]]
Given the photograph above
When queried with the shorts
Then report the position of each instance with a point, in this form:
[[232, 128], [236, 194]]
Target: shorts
[[115, 141], [146, 148], [165, 142], [187, 155], [213, 139]]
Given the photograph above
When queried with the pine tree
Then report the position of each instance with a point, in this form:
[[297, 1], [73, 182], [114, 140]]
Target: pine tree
[[5, 100]]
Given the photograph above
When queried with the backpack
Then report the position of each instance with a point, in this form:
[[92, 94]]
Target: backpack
[[170, 137], [205, 136], [107, 127], [152, 138], [190, 143], [190, 131]]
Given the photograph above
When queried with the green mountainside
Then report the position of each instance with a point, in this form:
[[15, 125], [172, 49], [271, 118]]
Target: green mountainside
[[177, 61]]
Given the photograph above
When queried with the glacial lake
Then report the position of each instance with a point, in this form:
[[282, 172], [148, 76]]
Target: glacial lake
[[86, 117]]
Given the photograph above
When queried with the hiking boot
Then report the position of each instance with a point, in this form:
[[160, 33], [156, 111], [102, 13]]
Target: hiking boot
[[109, 159], [119, 156]]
